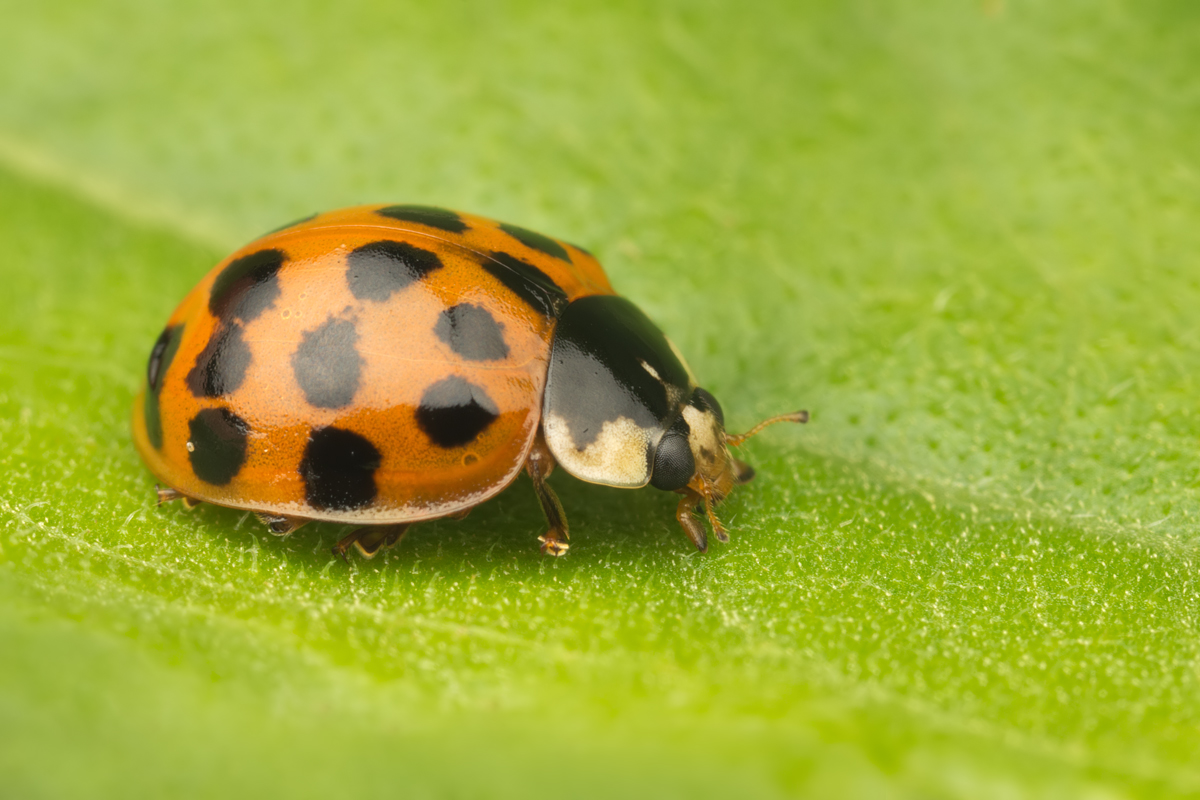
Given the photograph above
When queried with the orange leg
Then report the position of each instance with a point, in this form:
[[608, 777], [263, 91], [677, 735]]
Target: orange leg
[[712, 499], [279, 524], [370, 540], [687, 520], [539, 465], [168, 495]]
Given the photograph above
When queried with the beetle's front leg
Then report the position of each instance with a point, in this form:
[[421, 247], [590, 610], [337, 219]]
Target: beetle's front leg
[[685, 513]]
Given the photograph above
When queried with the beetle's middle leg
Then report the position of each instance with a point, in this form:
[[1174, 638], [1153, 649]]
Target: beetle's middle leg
[[539, 465]]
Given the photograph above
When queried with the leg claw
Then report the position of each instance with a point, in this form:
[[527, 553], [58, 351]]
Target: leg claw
[[552, 545]]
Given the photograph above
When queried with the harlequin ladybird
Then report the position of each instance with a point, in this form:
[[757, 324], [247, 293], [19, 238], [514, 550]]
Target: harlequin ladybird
[[385, 365]]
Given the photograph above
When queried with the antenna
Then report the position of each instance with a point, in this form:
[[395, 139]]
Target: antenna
[[736, 439]]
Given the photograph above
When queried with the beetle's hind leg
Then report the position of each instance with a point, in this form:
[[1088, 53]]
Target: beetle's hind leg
[[370, 540], [168, 495], [539, 465], [278, 524]]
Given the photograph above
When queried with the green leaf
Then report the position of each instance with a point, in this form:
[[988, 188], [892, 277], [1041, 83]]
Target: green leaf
[[962, 234]]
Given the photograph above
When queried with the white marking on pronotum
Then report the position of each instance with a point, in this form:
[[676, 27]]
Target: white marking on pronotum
[[617, 457], [650, 369]]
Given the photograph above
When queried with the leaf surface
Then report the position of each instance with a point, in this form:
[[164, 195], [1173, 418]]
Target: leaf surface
[[962, 235]]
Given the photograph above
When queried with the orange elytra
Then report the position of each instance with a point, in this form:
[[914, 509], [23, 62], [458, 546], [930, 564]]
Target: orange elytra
[[385, 365]]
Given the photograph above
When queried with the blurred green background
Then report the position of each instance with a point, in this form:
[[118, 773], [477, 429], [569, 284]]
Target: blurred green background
[[963, 234]]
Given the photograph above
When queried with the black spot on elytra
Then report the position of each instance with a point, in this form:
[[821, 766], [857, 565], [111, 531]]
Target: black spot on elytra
[[472, 333], [292, 224], [527, 282], [161, 357], [597, 371], [430, 216], [376, 270], [246, 287], [152, 415], [454, 411], [217, 439], [543, 244], [221, 366], [674, 464], [338, 469], [327, 364]]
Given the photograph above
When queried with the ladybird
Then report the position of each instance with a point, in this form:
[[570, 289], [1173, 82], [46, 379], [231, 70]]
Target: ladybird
[[385, 365]]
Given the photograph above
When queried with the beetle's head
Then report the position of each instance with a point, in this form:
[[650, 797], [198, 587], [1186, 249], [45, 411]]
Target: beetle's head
[[693, 459]]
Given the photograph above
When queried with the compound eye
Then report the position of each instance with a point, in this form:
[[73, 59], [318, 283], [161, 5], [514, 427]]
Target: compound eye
[[673, 462]]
